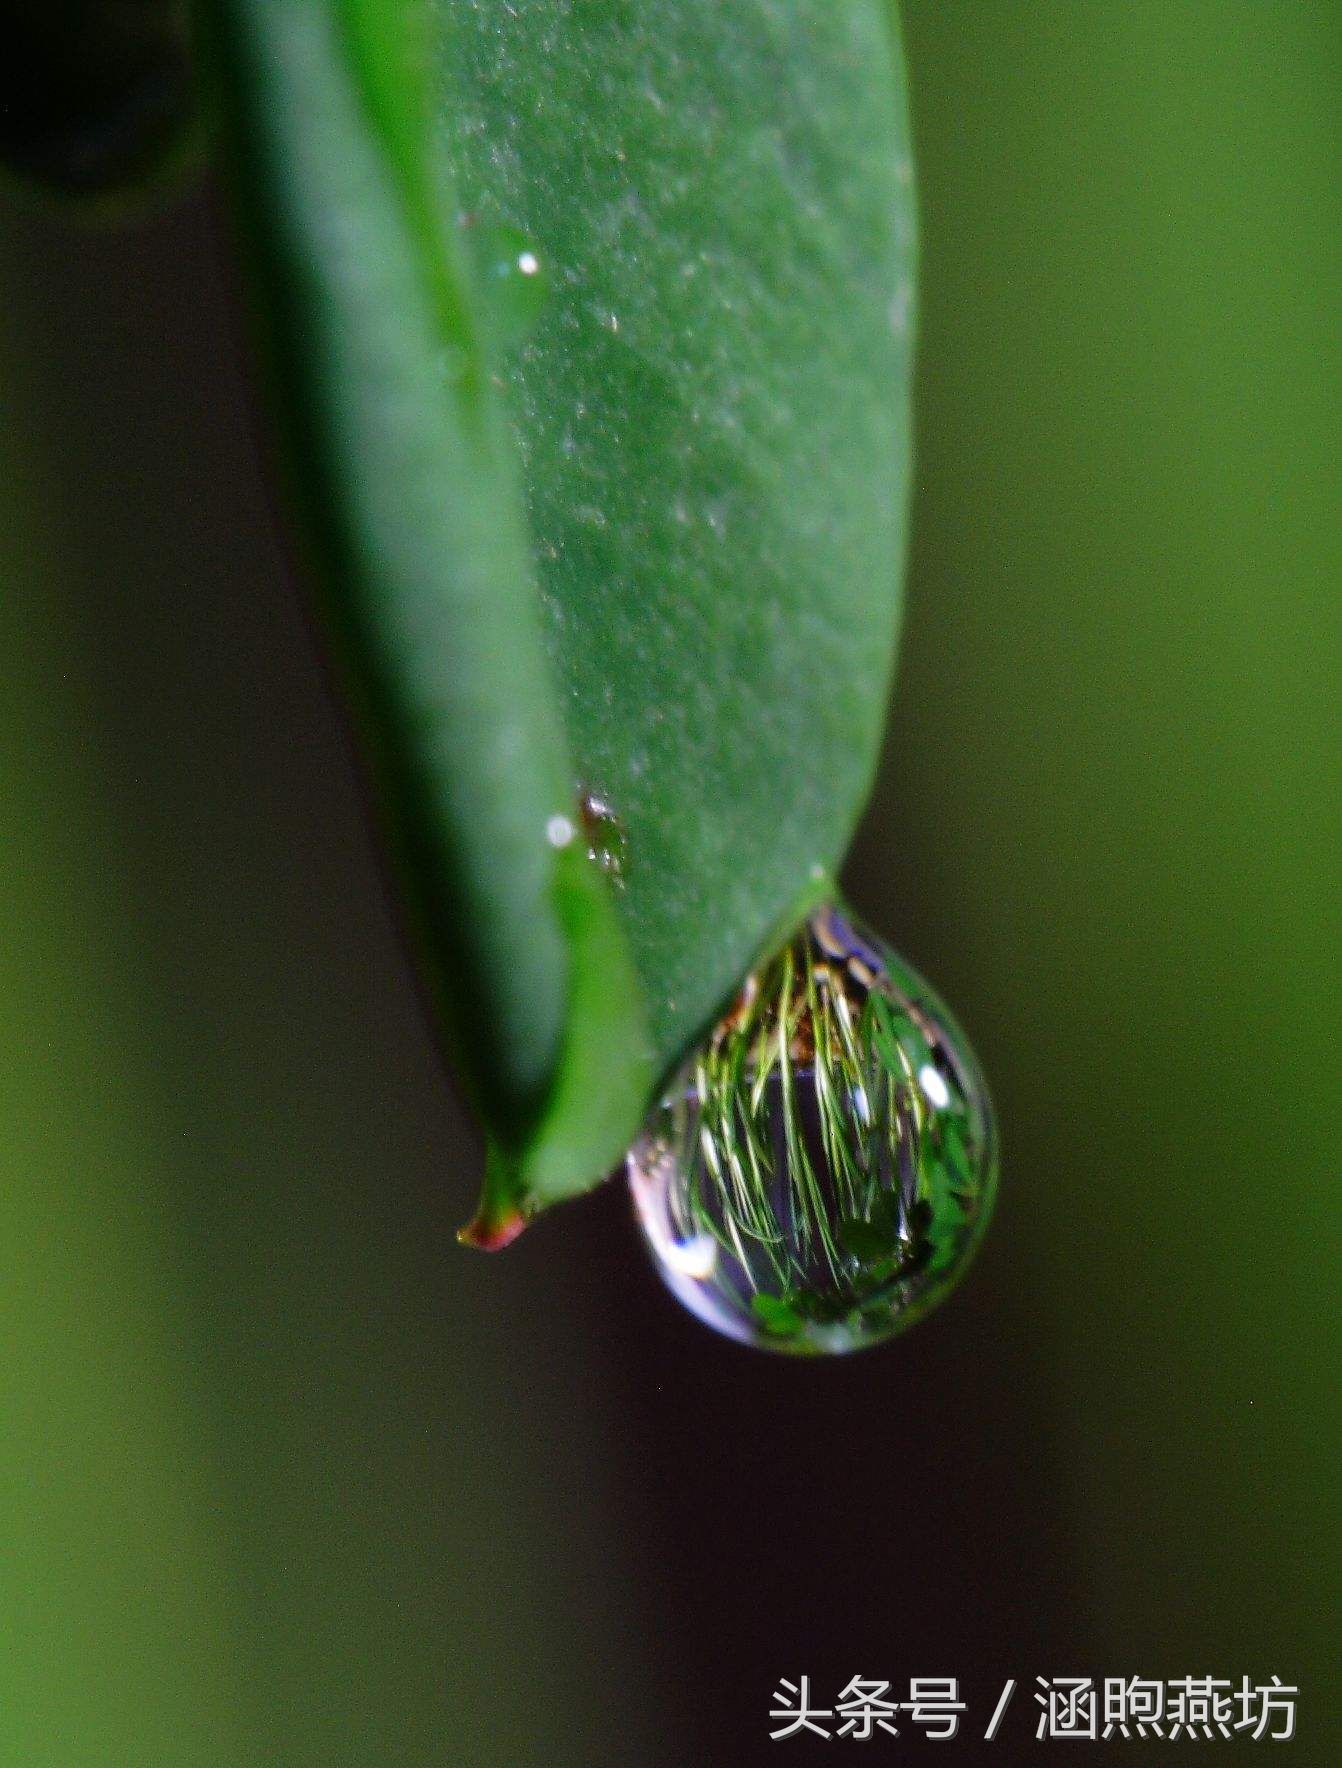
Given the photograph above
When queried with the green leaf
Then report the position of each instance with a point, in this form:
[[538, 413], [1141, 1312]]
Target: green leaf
[[414, 508], [651, 548], [712, 416]]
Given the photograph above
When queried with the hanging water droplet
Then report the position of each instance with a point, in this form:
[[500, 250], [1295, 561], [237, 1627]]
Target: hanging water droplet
[[819, 1174], [607, 838], [512, 277]]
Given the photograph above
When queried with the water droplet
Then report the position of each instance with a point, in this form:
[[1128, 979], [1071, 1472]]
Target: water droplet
[[607, 839], [819, 1174], [512, 276]]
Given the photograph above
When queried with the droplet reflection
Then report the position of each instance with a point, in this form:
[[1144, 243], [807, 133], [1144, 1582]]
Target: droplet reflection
[[820, 1173]]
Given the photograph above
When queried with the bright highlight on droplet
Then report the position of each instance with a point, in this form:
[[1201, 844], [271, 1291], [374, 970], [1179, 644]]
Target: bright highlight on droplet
[[559, 831], [819, 1174], [934, 1086], [511, 270]]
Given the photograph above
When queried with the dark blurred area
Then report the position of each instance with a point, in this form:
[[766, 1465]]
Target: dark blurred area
[[294, 1479], [94, 96]]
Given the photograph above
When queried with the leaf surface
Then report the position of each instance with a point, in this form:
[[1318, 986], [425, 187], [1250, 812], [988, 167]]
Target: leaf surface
[[712, 415], [648, 548]]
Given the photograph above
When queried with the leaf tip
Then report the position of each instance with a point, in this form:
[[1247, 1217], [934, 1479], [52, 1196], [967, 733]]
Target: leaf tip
[[492, 1228]]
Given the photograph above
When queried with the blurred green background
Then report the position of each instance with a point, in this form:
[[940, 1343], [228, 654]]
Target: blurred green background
[[287, 1477]]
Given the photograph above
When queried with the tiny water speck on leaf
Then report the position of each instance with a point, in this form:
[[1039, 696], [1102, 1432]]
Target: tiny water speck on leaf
[[607, 838], [511, 275]]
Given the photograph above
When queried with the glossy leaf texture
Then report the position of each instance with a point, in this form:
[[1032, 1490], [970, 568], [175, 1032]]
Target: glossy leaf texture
[[711, 410], [592, 327]]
